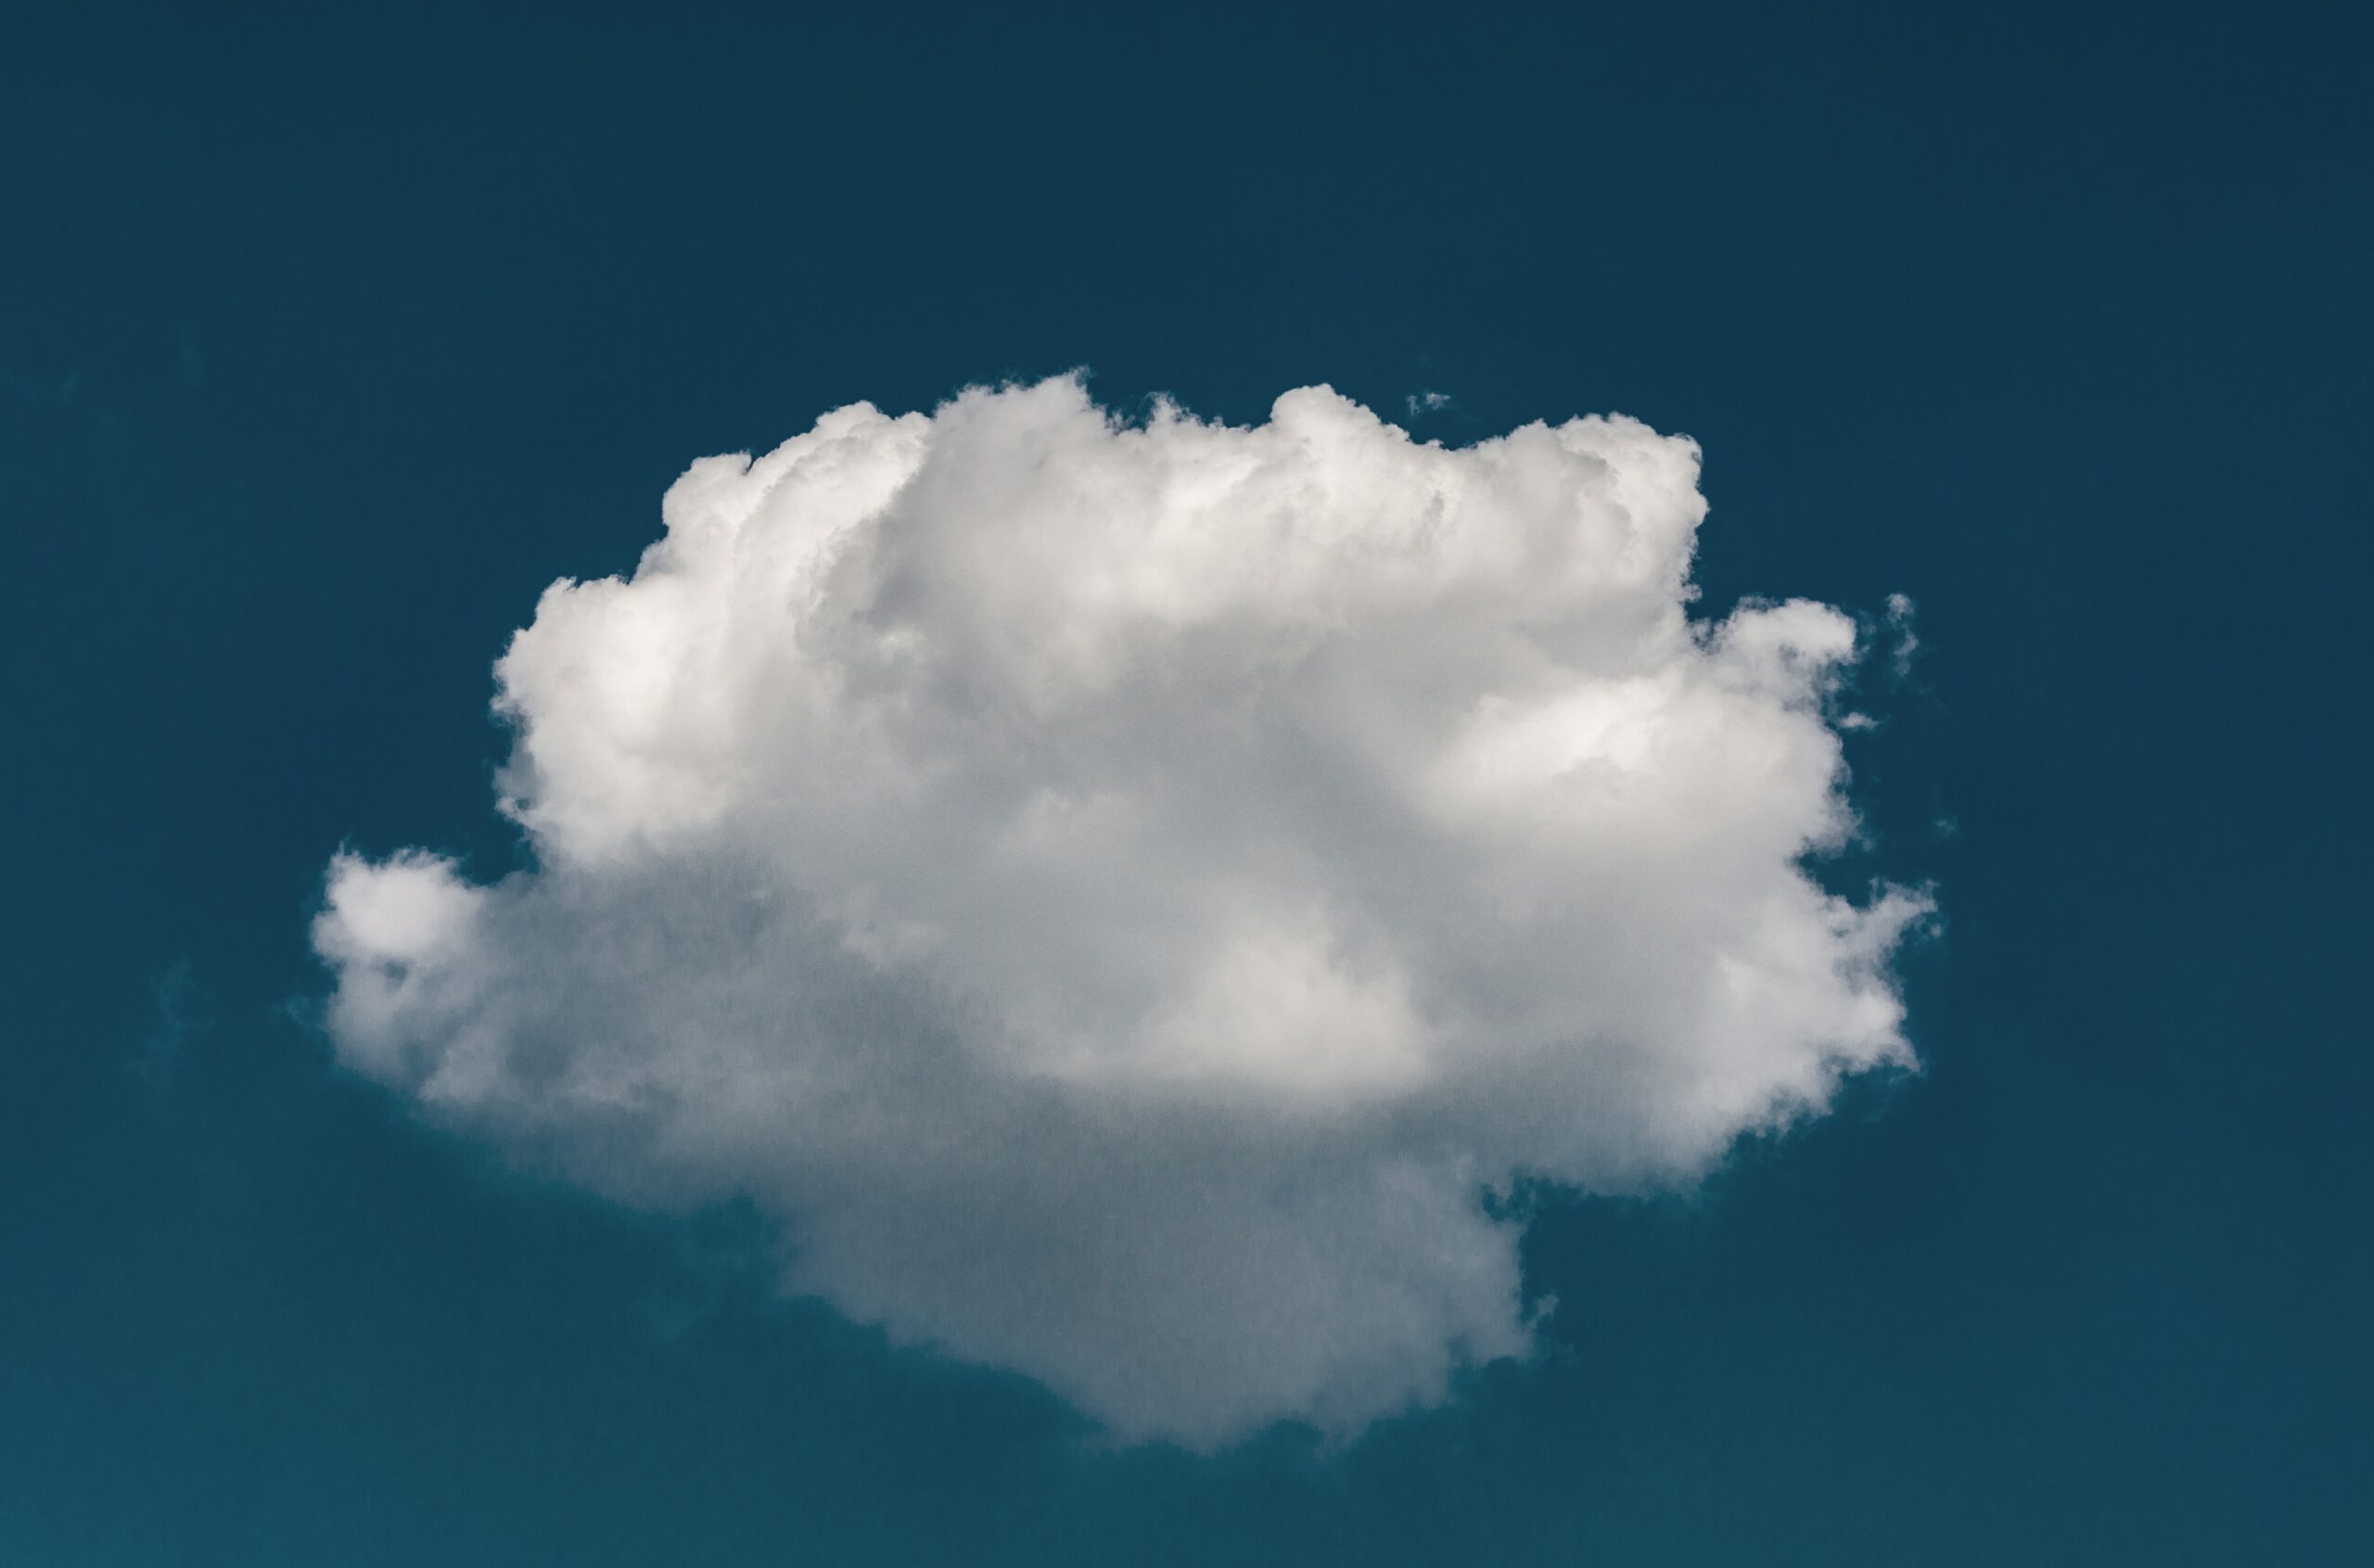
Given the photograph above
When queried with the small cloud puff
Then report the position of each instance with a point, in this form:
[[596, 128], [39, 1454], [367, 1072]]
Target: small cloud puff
[[1121, 894], [1907, 645]]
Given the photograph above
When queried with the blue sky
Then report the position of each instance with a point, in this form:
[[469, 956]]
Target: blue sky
[[329, 338]]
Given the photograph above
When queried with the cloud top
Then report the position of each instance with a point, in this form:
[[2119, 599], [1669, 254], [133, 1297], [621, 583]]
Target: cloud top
[[1119, 893]]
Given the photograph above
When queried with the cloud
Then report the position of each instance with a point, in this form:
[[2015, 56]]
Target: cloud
[[1907, 645], [1120, 895]]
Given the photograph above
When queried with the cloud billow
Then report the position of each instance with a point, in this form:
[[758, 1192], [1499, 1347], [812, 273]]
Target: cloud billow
[[1120, 893]]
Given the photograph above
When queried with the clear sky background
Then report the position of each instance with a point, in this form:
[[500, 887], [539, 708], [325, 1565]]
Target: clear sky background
[[329, 336]]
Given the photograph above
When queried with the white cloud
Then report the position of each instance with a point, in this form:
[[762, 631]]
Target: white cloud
[[1899, 620], [1119, 894]]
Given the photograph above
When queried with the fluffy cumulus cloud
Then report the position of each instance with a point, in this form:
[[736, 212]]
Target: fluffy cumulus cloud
[[1121, 893]]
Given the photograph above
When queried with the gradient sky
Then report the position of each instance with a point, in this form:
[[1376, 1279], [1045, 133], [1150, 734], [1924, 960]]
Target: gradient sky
[[328, 337]]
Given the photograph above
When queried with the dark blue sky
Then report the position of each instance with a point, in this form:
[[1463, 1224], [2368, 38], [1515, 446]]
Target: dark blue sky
[[328, 337]]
